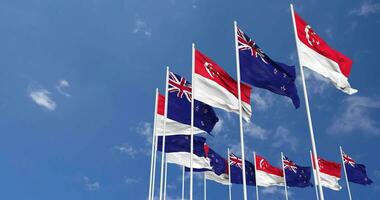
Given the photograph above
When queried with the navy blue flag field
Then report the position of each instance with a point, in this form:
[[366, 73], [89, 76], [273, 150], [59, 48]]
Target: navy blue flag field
[[259, 70], [181, 143], [295, 175], [356, 173], [179, 105], [218, 163], [236, 171]]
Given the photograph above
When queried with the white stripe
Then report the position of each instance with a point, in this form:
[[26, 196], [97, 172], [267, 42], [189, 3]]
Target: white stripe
[[182, 158], [324, 66], [215, 95], [265, 179], [174, 127], [330, 181], [222, 179]]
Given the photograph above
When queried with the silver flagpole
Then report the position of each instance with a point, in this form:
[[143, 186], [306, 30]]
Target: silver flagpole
[[192, 121], [183, 182], [345, 173], [315, 155], [283, 171], [166, 177], [315, 178], [204, 186], [163, 134], [240, 113], [155, 161], [257, 187], [229, 176], [151, 185]]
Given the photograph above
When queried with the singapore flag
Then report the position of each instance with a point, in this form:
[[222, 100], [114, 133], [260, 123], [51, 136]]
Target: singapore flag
[[315, 54]]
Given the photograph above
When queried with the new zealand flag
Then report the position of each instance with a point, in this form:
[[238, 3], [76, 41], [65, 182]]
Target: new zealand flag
[[296, 176], [259, 70], [356, 173], [237, 171], [179, 105]]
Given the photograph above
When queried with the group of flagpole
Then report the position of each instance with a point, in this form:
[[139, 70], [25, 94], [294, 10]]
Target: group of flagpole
[[345, 173], [257, 187], [314, 148], [229, 175], [314, 176], [154, 152], [192, 120]]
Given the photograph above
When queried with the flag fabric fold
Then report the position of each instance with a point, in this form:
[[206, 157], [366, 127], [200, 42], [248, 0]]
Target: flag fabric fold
[[295, 175], [315, 54], [330, 173], [217, 88], [268, 175], [259, 70], [356, 173], [177, 149]]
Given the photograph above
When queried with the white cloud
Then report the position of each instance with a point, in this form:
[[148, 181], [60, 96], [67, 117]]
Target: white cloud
[[41, 97], [366, 8], [356, 116], [218, 127], [256, 131], [91, 185], [146, 130], [315, 83], [141, 27], [284, 138], [127, 149], [62, 84], [262, 100], [129, 180], [279, 191]]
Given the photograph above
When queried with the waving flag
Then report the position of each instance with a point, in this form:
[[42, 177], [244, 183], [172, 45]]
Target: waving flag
[[236, 172], [218, 173], [356, 173], [295, 175], [177, 148], [179, 110], [259, 70], [217, 88], [318, 56], [329, 174], [266, 174]]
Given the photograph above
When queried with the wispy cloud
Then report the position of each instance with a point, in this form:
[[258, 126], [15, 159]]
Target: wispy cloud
[[42, 98], [194, 4], [316, 83], [130, 180], [218, 127], [256, 131], [279, 191], [127, 149], [329, 32], [141, 27], [91, 185], [262, 100], [145, 129], [366, 8], [62, 85], [284, 138], [355, 115]]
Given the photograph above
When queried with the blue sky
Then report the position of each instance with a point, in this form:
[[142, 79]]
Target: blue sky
[[77, 88]]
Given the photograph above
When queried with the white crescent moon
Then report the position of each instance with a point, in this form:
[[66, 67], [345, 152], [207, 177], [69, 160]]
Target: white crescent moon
[[261, 163]]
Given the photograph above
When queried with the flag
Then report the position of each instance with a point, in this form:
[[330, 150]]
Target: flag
[[295, 175], [259, 70], [218, 171], [236, 171], [329, 174], [177, 149], [266, 174], [315, 54], [356, 173], [217, 88], [179, 110]]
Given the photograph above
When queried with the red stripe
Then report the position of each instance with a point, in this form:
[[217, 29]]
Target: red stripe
[[263, 165], [218, 75], [329, 167], [322, 48], [161, 104]]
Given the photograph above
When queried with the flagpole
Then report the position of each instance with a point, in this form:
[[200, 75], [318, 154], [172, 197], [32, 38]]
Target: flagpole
[[183, 182], [163, 134], [240, 113], [283, 171], [152, 160], [315, 155], [155, 152], [229, 175], [166, 177], [192, 121], [204, 186], [345, 173], [257, 187], [315, 179]]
